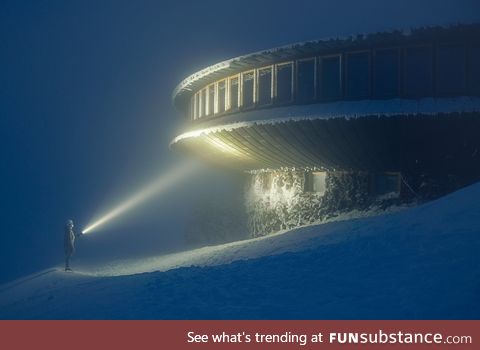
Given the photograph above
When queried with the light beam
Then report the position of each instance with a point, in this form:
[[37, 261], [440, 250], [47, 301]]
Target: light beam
[[155, 187]]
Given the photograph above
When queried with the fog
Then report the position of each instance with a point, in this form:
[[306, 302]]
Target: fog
[[86, 116]]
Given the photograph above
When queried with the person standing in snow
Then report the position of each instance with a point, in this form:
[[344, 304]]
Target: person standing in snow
[[69, 243]]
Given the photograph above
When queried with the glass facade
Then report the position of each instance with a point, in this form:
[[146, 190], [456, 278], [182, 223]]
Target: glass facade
[[264, 86], [387, 183], [315, 181], [221, 88], [386, 71], [330, 78], [203, 103], [248, 84], [357, 80], [450, 72], [408, 72], [211, 99], [417, 77], [284, 82], [306, 80], [233, 92]]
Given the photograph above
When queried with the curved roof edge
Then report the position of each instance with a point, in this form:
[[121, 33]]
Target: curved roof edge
[[342, 109], [302, 49]]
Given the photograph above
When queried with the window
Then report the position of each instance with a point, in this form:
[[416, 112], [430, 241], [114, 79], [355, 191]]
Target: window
[[203, 102], [233, 87], [267, 181], [191, 108], [284, 82], [450, 70], [330, 78], [387, 183], [221, 96], [386, 73], [211, 99], [315, 182], [417, 80], [474, 70], [247, 89], [265, 86], [197, 106], [358, 75], [306, 80]]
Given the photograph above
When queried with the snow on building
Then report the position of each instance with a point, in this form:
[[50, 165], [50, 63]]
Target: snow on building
[[341, 123]]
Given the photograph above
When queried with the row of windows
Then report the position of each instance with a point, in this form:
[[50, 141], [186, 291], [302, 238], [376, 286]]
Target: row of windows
[[410, 72], [381, 183]]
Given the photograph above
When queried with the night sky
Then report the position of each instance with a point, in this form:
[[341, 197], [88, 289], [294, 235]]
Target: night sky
[[85, 109]]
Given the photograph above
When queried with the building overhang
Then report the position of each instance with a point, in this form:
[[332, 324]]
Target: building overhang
[[350, 135]]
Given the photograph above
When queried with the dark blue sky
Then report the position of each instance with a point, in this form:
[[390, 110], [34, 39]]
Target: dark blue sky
[[85, 106]]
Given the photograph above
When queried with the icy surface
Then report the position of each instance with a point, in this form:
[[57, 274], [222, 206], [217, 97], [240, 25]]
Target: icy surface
[[419, 263], [340, 109]]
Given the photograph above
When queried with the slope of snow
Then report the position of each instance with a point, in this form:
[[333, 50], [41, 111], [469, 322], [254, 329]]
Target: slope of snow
[[419, 263]]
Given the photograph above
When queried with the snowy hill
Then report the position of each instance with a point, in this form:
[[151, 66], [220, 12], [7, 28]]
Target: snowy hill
[[419, 263]]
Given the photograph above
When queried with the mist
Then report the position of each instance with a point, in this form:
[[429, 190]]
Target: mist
[[86, 115]]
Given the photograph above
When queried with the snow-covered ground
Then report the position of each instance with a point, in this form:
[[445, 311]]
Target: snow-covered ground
[[420, 263]]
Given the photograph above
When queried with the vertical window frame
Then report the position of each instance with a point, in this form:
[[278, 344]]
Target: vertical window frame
[[470, 81]]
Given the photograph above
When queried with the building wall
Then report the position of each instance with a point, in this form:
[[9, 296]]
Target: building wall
[[281, 200]]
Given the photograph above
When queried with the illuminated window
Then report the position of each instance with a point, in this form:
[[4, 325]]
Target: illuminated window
[[248, 89], [417, 79], [197, 105], [450, 70], [233, 91], [306, 80], [265, 86], [330, 78], [211, 99], [357, 75], [284, 82], [386, 73], [315, 182], [221, 96], [203, 102], [474, 70], [191, 111], [387, 183], [267, 181]]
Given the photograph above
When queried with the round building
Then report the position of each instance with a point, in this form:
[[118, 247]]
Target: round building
[[338, 124]]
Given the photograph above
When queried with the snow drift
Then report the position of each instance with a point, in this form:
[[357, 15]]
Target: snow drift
[[419, 263]]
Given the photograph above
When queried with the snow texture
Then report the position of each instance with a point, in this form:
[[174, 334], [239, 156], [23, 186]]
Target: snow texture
[[419, 263], [277, 200], [340, 109]]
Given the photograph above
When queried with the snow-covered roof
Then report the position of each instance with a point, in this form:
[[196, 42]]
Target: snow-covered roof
[[311, 48]]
